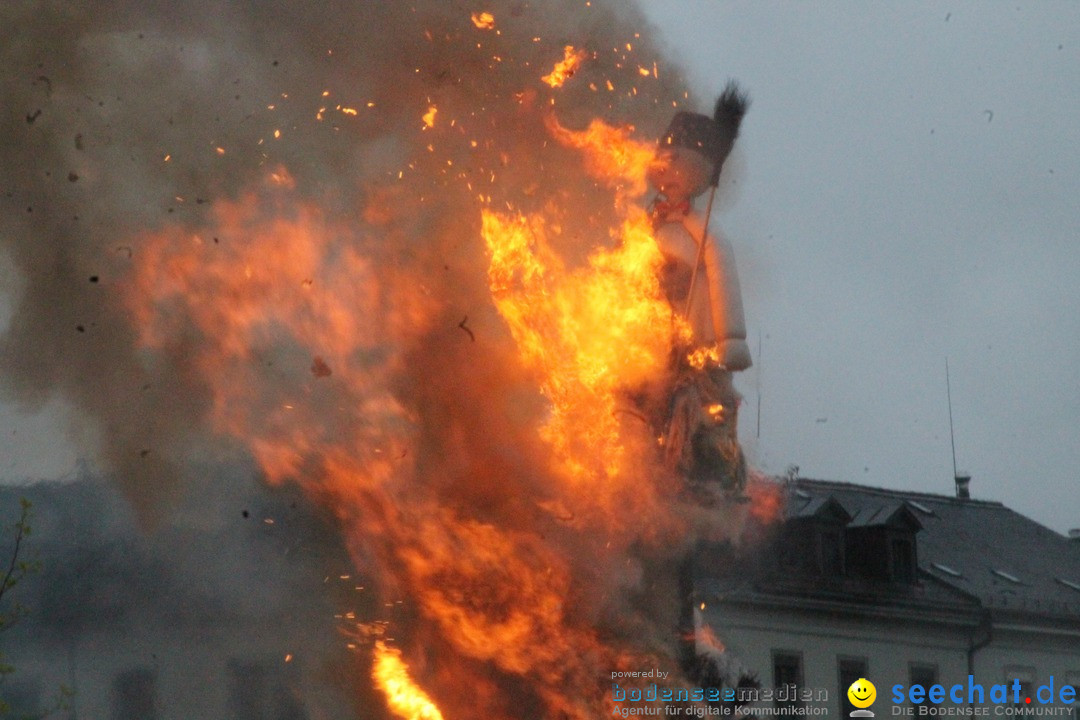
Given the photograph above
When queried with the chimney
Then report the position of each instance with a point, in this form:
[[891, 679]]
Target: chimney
[[963, 490]]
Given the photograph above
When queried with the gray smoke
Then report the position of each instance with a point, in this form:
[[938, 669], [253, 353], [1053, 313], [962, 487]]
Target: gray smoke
[[96, 97], [128, 127]]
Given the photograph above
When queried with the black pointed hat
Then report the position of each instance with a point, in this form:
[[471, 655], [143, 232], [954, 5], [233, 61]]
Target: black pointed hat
[[713, 136]]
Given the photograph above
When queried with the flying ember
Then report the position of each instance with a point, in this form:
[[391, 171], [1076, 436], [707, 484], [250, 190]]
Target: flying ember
[[565, 68], [483, 20]]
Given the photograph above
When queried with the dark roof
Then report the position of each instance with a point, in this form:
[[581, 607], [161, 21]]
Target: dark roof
[[821, 506], [1008, 562]]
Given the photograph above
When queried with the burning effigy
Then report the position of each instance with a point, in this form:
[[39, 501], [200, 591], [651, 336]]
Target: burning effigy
[[403, 255]]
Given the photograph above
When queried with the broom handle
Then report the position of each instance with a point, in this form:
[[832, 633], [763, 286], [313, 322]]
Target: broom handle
[[700, 252]]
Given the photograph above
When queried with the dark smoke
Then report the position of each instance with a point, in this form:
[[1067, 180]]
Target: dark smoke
[[129, 121], [96, 95]]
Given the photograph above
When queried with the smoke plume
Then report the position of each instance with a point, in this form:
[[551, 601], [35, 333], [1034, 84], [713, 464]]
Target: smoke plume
[[255, 229]]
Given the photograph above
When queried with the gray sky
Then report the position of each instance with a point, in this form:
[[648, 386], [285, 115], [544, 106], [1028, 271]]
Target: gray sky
[[909, 192]]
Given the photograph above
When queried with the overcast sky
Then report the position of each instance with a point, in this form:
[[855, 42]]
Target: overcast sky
[[908, 191], [907, 184]]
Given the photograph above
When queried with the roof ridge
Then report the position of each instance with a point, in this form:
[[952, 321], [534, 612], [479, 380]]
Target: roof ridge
[[893, 493]]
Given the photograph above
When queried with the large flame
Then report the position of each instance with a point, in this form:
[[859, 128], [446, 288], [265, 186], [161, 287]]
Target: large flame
[[591, 335], [427, 292], [611, 154], [302, 332], [300, 338]]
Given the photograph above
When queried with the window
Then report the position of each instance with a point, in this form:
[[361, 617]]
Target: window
[[923, 674], [849, 669], [22, 695], [832, 552], [1026, 676], [1027, 690], [247, 689], [865, 552], [264, 691], [797, 543], [791, 553], [902, 559], [133, 695], [787, 677], [1073, 679]]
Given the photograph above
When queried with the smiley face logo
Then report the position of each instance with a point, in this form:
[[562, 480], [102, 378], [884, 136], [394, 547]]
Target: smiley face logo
[[862, 693]]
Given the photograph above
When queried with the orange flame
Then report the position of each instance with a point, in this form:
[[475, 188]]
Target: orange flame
[[766, 499], [593, 334], [611, 154], [703, 356], [565, 68], [271, 293], [405, 698], [483, 20], [304, 333], [429, 116], [256, 287], [707, 639], [590, 334]]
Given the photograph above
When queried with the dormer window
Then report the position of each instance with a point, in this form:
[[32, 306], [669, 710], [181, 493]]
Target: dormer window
[[813, 538], [881, 544]]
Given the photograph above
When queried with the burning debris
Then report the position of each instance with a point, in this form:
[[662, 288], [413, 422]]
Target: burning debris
[[483, 20], [565, 68], [507, 494], [429, 116]]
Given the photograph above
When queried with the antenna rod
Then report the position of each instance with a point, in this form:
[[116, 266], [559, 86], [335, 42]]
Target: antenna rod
[[761, 367], [952, 438]]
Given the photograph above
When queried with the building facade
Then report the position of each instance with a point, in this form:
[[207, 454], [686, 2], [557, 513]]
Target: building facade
[[900, 588], [229, 607]]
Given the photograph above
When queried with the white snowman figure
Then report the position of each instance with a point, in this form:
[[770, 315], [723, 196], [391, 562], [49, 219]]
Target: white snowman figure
[[701, 283]]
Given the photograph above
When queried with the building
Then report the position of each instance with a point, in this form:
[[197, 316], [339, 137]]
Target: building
[[228, 608], [899, 588]]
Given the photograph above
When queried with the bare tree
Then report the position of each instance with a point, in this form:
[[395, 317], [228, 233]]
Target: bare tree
[[15, 569]]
